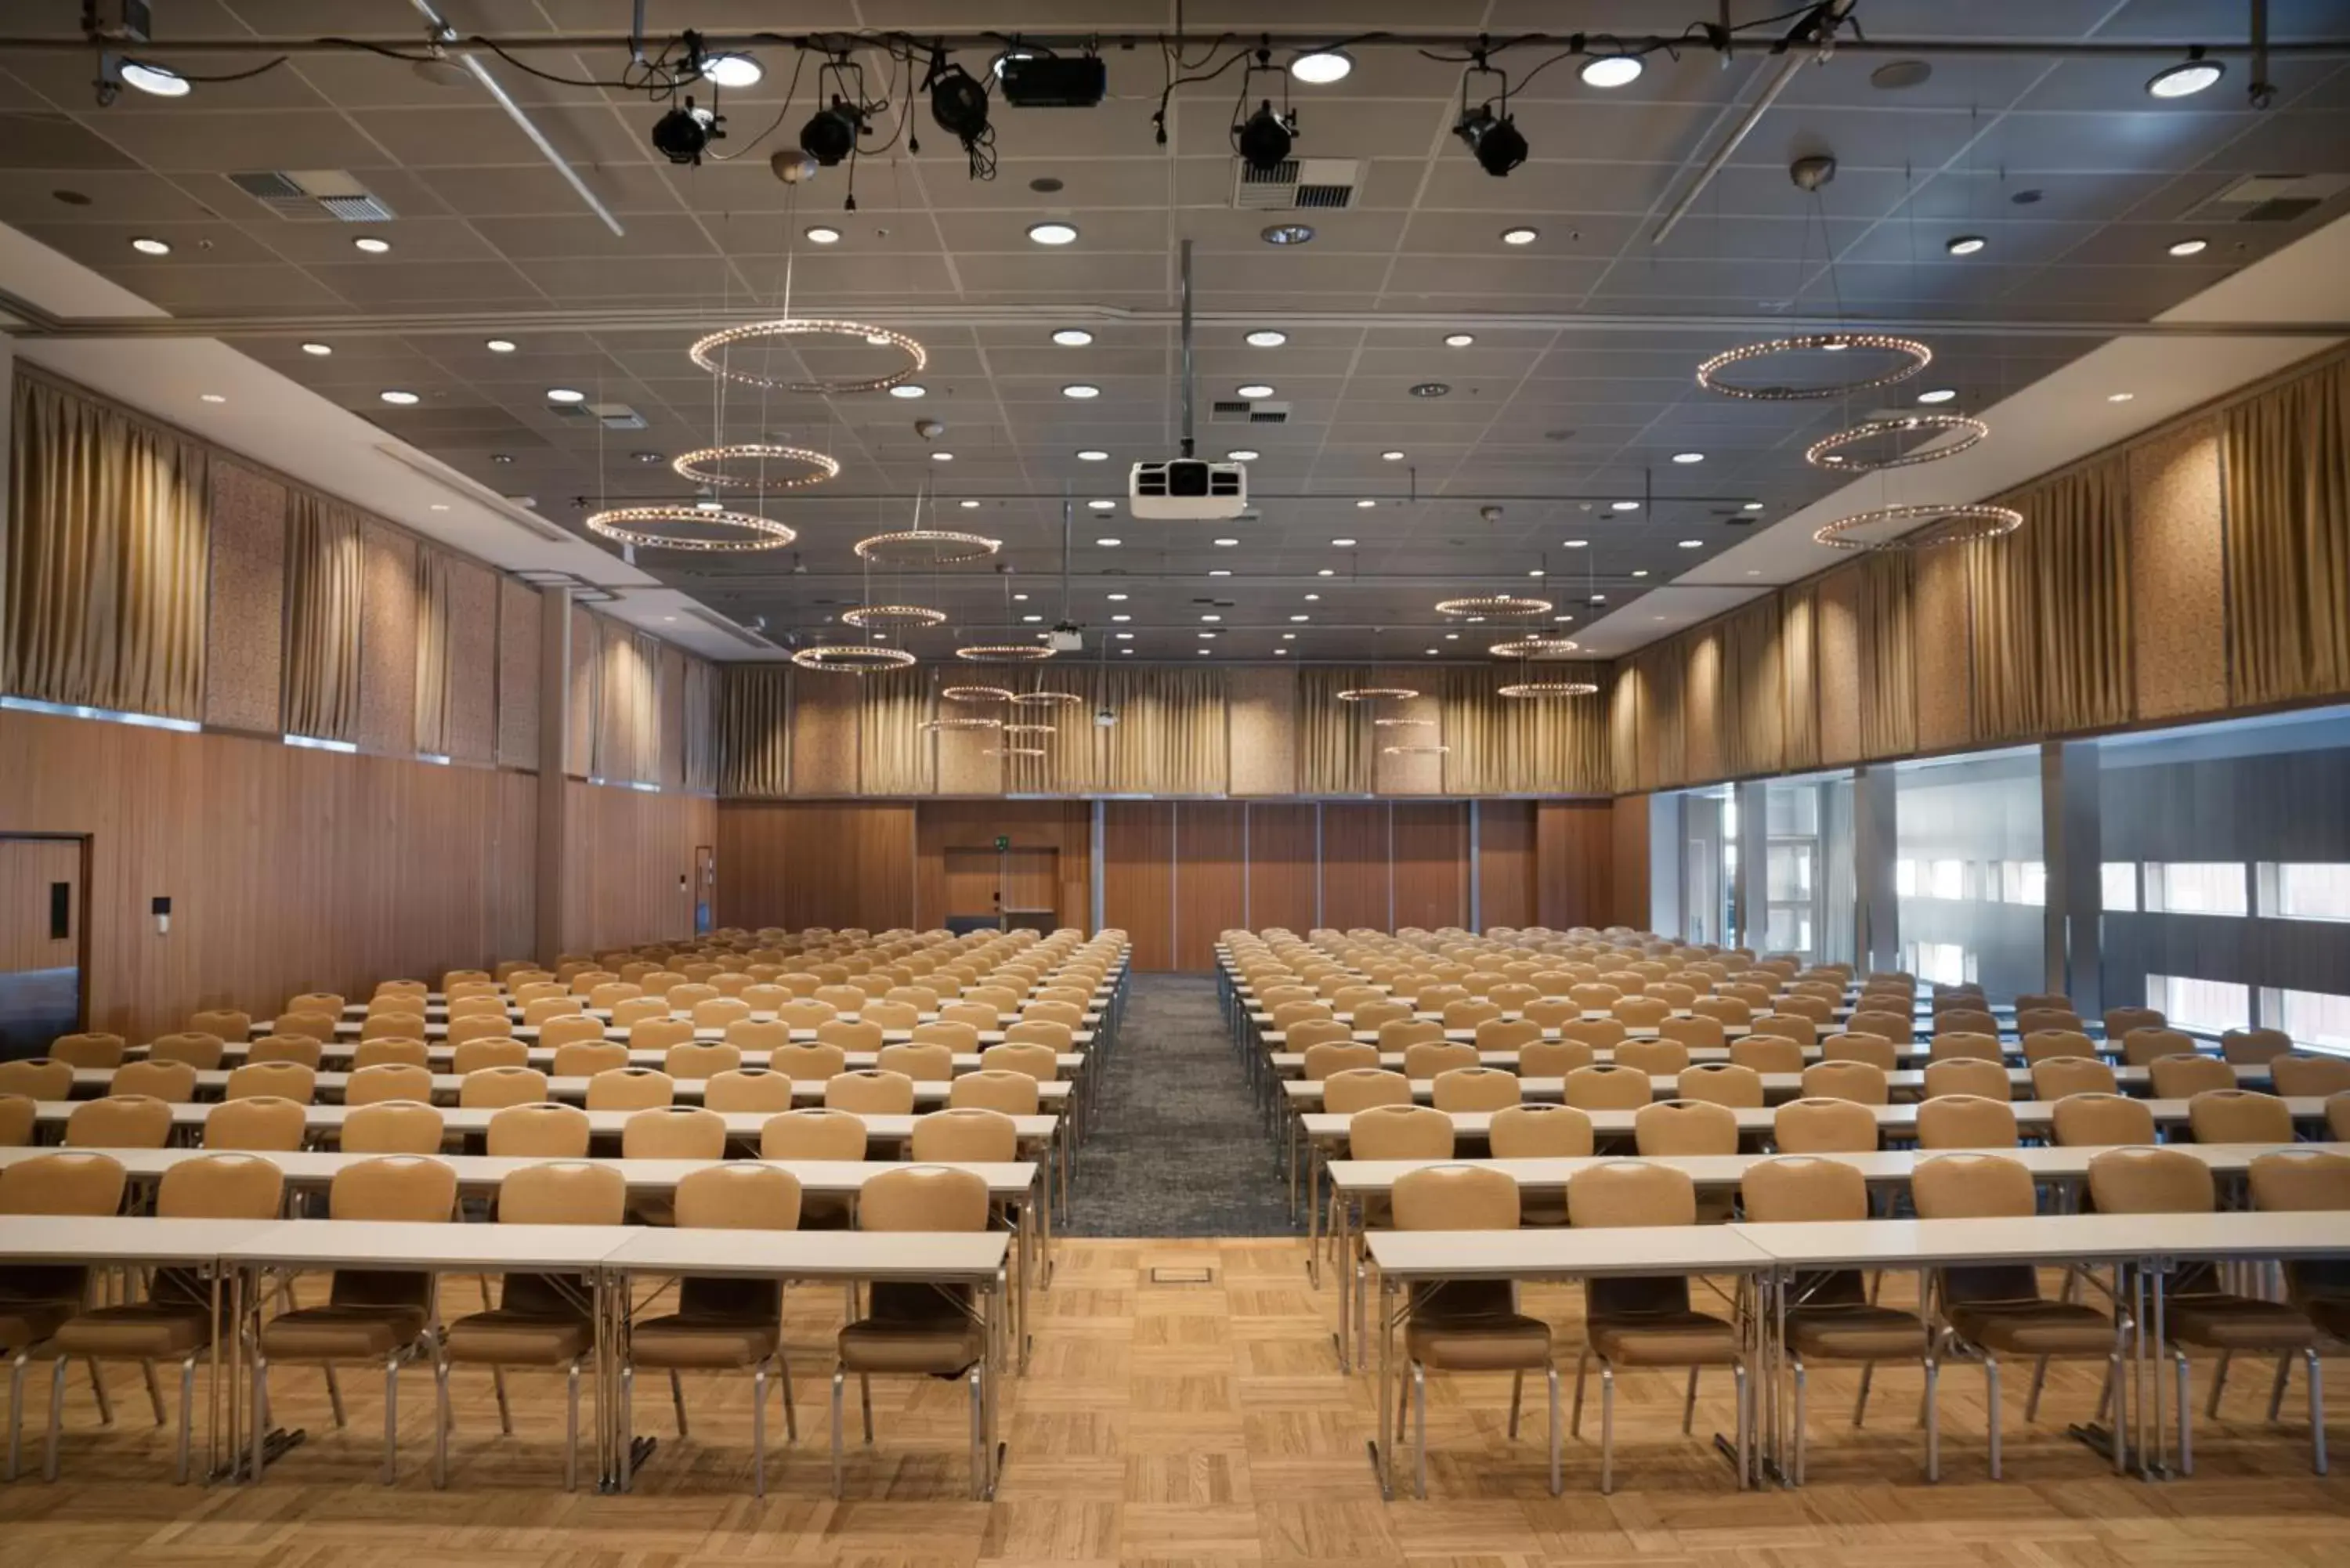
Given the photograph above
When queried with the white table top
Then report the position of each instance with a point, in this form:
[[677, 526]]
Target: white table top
[[457, 1119], [542, 1057], [972, 1257], [1776, 1086], [2031, 1238], [1902, 1120], [446, 1085], [124, 1238], [1406, 1255], [406, 1244], [439, 1030]]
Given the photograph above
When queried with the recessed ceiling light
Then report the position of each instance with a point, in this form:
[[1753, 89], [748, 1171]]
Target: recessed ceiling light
[[1080, 389], [500, 345], [147, 246], [1289, 637], [1752, 507], [1124, 636], [1127, 651], [1692, 544], [1227, 543], [1110, 544], [1562, 618], [1390, 456], [1535, 573], [1244, 455], [2188, 78], [1286, 234], [1220, 571], [494, 457], [1092, 455], [647, 456], [1458, 339], [1344, 543], [154, 79], [1116, 598], [968, 505], [1611, 70], [1966, 244], [1365, 505], [1599, 599], [1642, 572], [910, 389], [941, 457], [1320, 68], [1266, 338], [400, 399], [710, 503], [1688, 457], [2190, 247], [210, 398], [2119, 397], [1432, 650], [1123, 618], [1020, 598], [1429, 388], [317, 350], [823, 235], [565, 395], [1281, 653], [1073, 337], [444, 506], [731, 70], [1102, 505], [1206, 634], [1052, 233], [1255, 389], [1327, 572], [371, 245], [1300, 618], [1625, 506], [1211, 617], [1939, 395], [1031, 618], [1311, 598], [1451, 637], [1520, 236], [1576, 543]]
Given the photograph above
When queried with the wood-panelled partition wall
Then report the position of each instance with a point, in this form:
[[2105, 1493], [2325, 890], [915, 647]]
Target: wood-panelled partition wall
[[1175, 873]]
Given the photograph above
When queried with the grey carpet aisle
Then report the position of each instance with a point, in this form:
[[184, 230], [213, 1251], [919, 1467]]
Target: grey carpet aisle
[[1177, 1146]]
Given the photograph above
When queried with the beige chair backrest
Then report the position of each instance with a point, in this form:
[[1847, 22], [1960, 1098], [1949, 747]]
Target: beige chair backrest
[[228, 1023], [1507, 1033], [220, 1186], [1641, 1011], [2250, 1047], [2094, 1119], [1963, 1046], [924, 1198], [1968, 1075], [545, 1130], [194, 1048], [967, 1134], [674, 1132], [1685, 1126], [758, 1034], [493, 1088], [414, 1188], [2057, 1077], [569, 1030], [1428, 1058], [747, 1089], [1796, 1189], [1553, 1058], [1858, 1082], [563, 1192], [1609, 1087], [20, 1118], [863, 1034], [701, 1059], [392, 1126], [872, 1090], [474, 1055], [639, 1009], [265, 1123], [1824, 1125], [300, 1049], [1455, 1197], [1630, 1192], [2314, 1077], [658, 1033], [81, 1182], [1972, 1187], [2239, 1116], [1360, 1088], [389, 1081], [964, 1037], [2152, 1180], [1897, 1027], [586, 1058], [1539, 1132], [1874, 1049], [2299, 1181], [739, 1196], [395, 1052], [1720, 1083], [996, 1089], [1474, 1089], [810, 1061], [2041, 1045], [1400, 1132], [1768, 1053], [719, 1011], [630, 1089], [1023, 1056], [119, 1121], [1658, 1058], [2187, 1075], [282, 1080], [172, 1082], [1693, 1032], [811, 1134], [1966, 1121], [924, 1063], [392, 1026]]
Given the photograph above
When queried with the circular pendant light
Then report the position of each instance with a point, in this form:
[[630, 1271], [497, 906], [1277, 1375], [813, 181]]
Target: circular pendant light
[[1550, 689], [1429, 750], [713, 353], [707, 466], [1833, 451], [668, 528], [1913, 356], [1015, 751], [1378, 694], [1046, 730], [1495, 607], [853, 658], [935, 726], [975, 694], [1405, 724], [1536, 646], [1005, 653], [1925, 527], [917, 548], [870, 618], [1045, 699]]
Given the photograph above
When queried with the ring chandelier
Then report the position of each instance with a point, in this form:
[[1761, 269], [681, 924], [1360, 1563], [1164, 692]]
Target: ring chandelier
[[1005, 653], [1378, 694], [1917, 355], [852, 658], [1016, 752], [1405, 724], [976, 694], [933, 726], [924, 547], [1415, 750], [1045, 699], [1958, 524], [704, 465], [1550, 689], [1535, 647], [1045, 729], [1496, 606], [1829, 451], [869, 617], [636, 526], [711, 353]]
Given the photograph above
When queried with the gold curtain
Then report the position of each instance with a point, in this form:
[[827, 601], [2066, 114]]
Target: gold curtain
[[1624, 700], [1888, 681], [1662, 757], [627, 708], [1753, 715], [1334, 738], [325, 588], [753, 737], [432, 588], [107, 558], [701, 741], [894, 754], [2286, 458], [1799, 675], [1064, 731], [2050, 606], [1523, 745], [1170, 738]]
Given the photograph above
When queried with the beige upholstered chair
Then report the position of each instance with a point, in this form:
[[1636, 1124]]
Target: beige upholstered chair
[[258, 1124], [2095, 1119], [227, 1022], [1685, 1126], [747, 1089], [2239, 1116], [1720, 1083], [1968, 1076], [391, 1127], [472, 1055], [1966, 1121], [541, 1131], [300, 1049], [1859, 1082], [1474, 1089], [870, 1091], [494, 1088], [388, 1081], [280, 1080], [1607, 1087], [630, 1089], [2250, 1047], [1824, 1125], [172, 1082], [2187, 1074]]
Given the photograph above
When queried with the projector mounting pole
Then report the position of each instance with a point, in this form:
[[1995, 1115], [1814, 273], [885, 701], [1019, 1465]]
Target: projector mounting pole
[[1187, 347]]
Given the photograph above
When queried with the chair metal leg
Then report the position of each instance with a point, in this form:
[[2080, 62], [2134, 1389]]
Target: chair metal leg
[[1933, 1419], [154, 1390], [1991, 1407], [677, 1398], [865, 1404], [57, 1419], [1743, 1397], [839, 1380], [1689, 1404], [440, 1418], [627, 1421], [334, 1394], [2121, 1398], [505, 1415], [1607, 1429], [1582, 1365], [2276, 1389], [1419, 1430], [2219, 1382], [2316, 1413], [784, 1376], [1860, 1405], [97, 1389], [1557, 1479], [16, 1412], [1517, 1391], [187, 1412], [391, 1418], [759, 1431], [2186, 1414], [1797, 1362], [978, 1431], [571, 1429], [260, 1412]]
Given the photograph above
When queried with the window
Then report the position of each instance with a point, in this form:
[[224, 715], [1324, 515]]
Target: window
[[2305, 890], [1946, 878], [2311, 1017], [1905, 879], [1939, 963], [2023, 882], [2211, 1005], [2196, 887], [2119, 879]]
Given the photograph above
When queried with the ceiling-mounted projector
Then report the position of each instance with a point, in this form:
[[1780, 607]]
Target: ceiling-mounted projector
[[1187, 489]]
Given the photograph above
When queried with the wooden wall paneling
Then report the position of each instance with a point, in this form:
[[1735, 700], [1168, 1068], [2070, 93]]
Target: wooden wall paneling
[[1505, 864], [387, 644], [1430, 865], [1357, 867], [1284, 870], [1211, 879], [1139, 877], [1263, 719], [629, 850], [2179, 574], [29, 869], [1628, 903], [815, 863], [245, 631], [518, 634], [1574, 862], [585, 704], [1064, 827]]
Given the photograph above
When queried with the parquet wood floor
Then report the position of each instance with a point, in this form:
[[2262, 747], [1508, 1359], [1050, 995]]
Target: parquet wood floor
[[1182, 1425]]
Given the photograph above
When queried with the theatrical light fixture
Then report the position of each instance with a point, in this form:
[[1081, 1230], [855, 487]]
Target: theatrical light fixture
[[683, 133], [1611, 70], [921, 548], [371, 245], [396, 397], [959, 104], [1265, 338], [1263, 140], [1946, 525], [317, 350], [2188, 78], [934, 726], [1320, 68], [712, 354], [1053, 233], [1520, 236], [1004, 653], [1834, 450], [147, 246], [1913, 356], [1966, 244], [1495, 139], [853, 658], [154, 79], [1045, 699], [830, 136], [1500, 606], [2190, 247], [731, 70], [1073, 337], [975, 694], [642, 526]]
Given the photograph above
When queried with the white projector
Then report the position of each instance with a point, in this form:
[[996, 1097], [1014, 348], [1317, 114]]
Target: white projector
[[1187, 490]]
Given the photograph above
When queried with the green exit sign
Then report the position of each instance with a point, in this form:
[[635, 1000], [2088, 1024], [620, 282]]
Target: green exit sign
[[1003, 842]]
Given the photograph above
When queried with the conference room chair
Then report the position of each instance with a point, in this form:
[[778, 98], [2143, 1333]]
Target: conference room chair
[[2304, 1180], [119, 1121], [388, 1081], [1338, 1057], [763, 996], [1824, 1126], [963, 1038], [1658, 1058], [635, 1011], [1599, 1033], [484, 1004], [1832, 1318], [1548, 1012], [487, 1026], [1727, 1011], [494, 1088], [260, 1123], [1759, 997], [2100, 1119], [1965, 1046], [1609, 1087], [1380, 1014], [479, 1055], [1682, 1127], [717, 1012], [1405, 1032], [969, 1134], [1767, 1054], [915, 1329], [2120, 1021], [1469, 1013], [1966, 1121], [539, 1131], [757, 1035], [2144, 1047], [192, 1047], [171, 1081], [541, 1320], [1673, 993], [2239, 1116], [924, 1063], [1720, 1083], [816, 1134], [570, 1029], [2313, 1077], [808, 1061], [1474, 1089], [36, 1300], [392, 1026], [1812, 1012], [613, 992], [1965, 1020], [396, 1051], [1697, 1033], [586, 1058], [700, 1059], [1513, 995], [1897, 1027], [921, 998], [1641, 1012], [539, 1013], [379, 1317], [658, 1033], [1646, 1321], [1553, 1058], [1014, 1093], [1035, 1061], [870, 1091], [860, 1034], [987, 1015], [2057, 1077], [727, 1323], [2252, 1047], [228, 1023], [673, 1132], [1863, 1083], [2042, 1045], [629, 1089], [658, 982], [881, 1015], [327, 1002], [746, 1089], [841, 998], [530, 993], [312, 1026], [1428, 1058], [1360, 1088], [1438, 997], [1055, 1012], [2032, 1020], [1874, 1049], [19, 1118], [2187, 1074], [1968, 1075], [1540, 1131], [392, 1126], [305, 1049], [1506, 1033], [280, 1080]]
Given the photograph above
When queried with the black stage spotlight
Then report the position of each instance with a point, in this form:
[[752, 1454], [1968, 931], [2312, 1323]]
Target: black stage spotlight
[[830, 134], [1499, 145], [957, 102], [1264, 139], [680, 135]]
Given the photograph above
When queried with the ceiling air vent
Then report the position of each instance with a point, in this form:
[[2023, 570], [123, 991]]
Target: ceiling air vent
[[314, 193], [611, 416], [1324, 184], [1238, 411], [2272, 198]]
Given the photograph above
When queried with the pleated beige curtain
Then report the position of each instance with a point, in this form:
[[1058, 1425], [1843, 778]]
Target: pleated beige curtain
[[1170, 735], [697, 696], [1888, 681], [1625, 700], [325, 588], [628, 710], [2050, 649], [2286, 458], [894, 754], [1752, 716], [432, 588], [1663, 756], [1334, 738], [108, 556], [1064, 731], [1799, 675], [753, 739], [1522, 745]]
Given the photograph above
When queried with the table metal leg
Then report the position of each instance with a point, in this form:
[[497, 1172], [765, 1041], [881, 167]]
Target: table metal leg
[[1342, 1224], [1383, 1450]]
